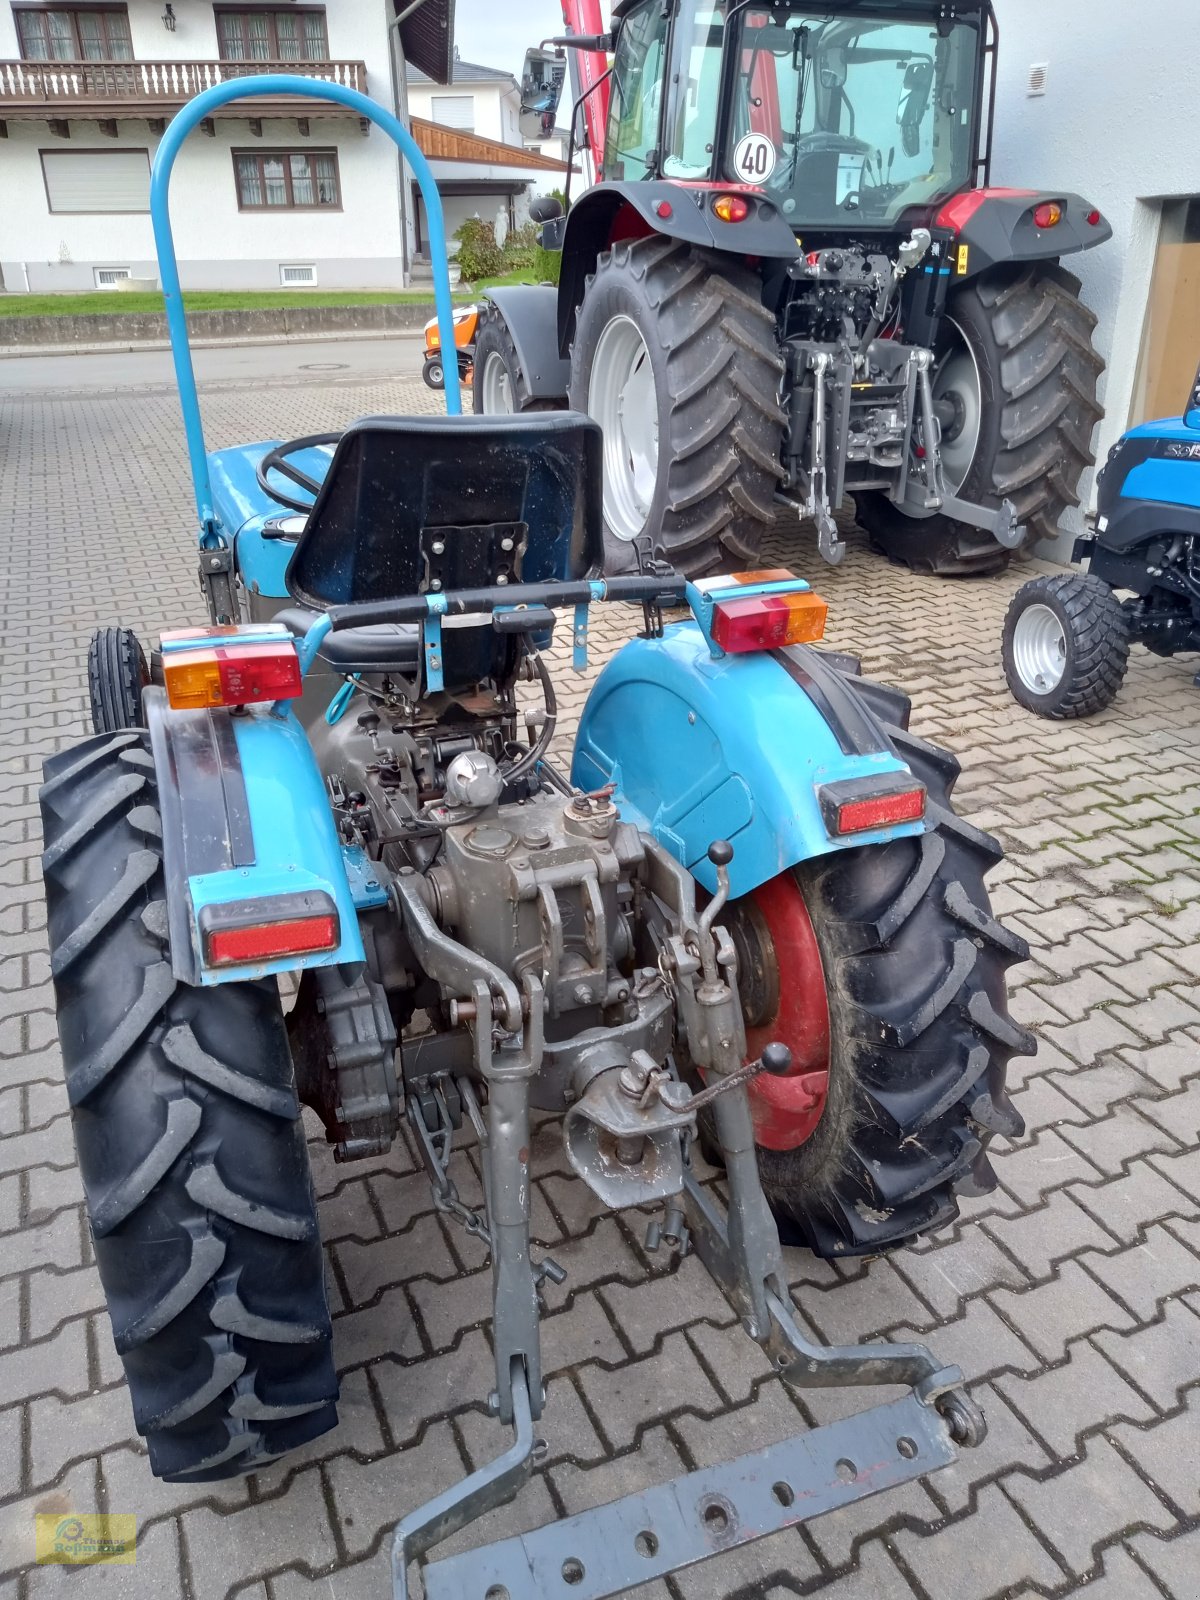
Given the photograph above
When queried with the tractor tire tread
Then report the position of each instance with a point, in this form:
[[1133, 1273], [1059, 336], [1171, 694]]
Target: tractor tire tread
[[724, 426], [919, 1004], [1046, 370], [189, 1139], [1097, 632]]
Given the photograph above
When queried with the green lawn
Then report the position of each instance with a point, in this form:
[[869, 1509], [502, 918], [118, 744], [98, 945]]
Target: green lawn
[[107, 302]]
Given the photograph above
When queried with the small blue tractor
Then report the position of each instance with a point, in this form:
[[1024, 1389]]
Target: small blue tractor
[[747, 913], [1067, 637]]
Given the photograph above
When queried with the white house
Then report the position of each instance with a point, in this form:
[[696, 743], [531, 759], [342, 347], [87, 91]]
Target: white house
[[1096, 96], [266, 193], [469, 128]]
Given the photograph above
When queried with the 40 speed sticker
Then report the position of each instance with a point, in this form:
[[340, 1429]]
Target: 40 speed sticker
[[754, 158]]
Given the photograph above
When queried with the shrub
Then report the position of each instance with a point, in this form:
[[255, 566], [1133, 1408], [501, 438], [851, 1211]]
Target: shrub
[[479, 255]]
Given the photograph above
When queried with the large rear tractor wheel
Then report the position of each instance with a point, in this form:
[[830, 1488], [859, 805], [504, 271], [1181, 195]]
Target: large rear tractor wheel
[[883, 970], [675, 356], [190, 1144], [1016, 374]]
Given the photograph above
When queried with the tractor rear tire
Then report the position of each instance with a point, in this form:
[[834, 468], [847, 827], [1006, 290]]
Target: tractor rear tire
[[190, 1144], [1030, 337], [117, 674], [706, 497], [1065, 645], [499, 386], [919, 1032]]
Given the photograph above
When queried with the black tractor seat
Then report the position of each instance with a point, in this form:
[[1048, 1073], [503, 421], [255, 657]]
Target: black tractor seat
[[383, 647]]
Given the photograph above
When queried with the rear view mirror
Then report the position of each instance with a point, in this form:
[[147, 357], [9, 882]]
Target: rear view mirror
[[914, 103], [541, 90]]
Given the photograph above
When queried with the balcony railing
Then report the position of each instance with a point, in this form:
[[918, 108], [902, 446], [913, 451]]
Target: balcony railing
[[59, 87]]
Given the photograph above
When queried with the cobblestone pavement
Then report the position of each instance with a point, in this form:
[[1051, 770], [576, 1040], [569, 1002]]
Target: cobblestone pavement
[[1071, 1297]]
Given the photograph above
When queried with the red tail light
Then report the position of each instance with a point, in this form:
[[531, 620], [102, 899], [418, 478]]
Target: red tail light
[[731, 207], [860, 805], [1047, 215], [250, 932], [792, 614], [228, 667]]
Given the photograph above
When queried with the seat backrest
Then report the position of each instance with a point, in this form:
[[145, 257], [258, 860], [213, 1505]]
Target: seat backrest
[[411, 504]]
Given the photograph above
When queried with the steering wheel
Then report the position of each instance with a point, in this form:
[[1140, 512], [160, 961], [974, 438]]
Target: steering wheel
[[812, 144], [277, 461]]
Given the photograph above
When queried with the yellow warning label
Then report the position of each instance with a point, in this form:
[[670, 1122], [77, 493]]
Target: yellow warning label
[[964, 259], [90, 1540]]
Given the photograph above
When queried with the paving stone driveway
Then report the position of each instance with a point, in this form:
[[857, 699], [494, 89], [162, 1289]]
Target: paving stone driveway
[[1071, 1297]]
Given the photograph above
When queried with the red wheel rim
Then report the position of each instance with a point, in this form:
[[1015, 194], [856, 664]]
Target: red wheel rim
[[787, 1110]]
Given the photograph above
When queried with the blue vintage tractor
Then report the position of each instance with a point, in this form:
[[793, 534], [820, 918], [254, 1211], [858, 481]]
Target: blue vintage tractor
[[1067, 637], [747, 911]]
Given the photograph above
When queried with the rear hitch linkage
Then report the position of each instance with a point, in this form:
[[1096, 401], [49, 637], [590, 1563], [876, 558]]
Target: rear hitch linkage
[[657, 1531]]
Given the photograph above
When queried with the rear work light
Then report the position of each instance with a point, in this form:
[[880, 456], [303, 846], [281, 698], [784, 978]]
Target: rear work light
[[860, 805], [731, 207], [229, 667], [1047, 215], [792, 614], [250, 932]]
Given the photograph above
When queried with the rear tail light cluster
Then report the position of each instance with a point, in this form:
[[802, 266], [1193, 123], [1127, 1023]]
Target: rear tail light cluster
[[251, 932], [862, 805], [731, 207], [229, 666], [1047, 215], [788, 612]]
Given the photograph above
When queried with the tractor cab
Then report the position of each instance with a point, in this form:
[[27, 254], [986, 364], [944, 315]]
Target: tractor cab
[[841, 118]]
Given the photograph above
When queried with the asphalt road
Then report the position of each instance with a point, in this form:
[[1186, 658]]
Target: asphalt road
[[327, 361]]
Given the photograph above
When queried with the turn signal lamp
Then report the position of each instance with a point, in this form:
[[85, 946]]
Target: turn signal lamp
[[731, 207], [229, 667], [249, 932], [767, 621], [1047, 215]]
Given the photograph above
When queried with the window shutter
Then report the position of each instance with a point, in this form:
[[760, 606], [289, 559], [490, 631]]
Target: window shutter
[[454, 111], [109, 180]]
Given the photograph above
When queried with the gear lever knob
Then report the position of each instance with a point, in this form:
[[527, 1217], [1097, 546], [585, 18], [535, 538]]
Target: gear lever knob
[[777, 1060]]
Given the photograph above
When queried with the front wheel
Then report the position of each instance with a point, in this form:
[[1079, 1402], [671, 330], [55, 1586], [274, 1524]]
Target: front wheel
[[1065, 646], [883, 969], [117, 674], [191, 1149], [433, 372], [1015, 382]]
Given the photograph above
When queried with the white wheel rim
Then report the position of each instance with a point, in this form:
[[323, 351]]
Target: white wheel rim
[[497, 385], [623, 400], [1039, 649], [958, 376]]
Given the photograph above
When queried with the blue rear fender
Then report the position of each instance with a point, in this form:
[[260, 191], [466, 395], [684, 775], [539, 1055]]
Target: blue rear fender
[[734, 747], [245, 821]]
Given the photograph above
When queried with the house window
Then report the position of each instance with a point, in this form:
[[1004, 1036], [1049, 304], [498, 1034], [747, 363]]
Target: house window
[[74, 35], [97, 180], [295, 35], [287, 180], [454, 111], [109, 277], [296, 273]]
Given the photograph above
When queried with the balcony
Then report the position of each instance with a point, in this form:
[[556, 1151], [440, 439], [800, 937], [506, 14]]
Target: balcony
[[100, 91]]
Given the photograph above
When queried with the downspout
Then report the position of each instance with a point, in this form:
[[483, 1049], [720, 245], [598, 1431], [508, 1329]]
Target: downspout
[[400, 106]]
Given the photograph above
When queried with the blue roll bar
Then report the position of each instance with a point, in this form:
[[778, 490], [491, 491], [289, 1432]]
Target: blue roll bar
[[204, 104]]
